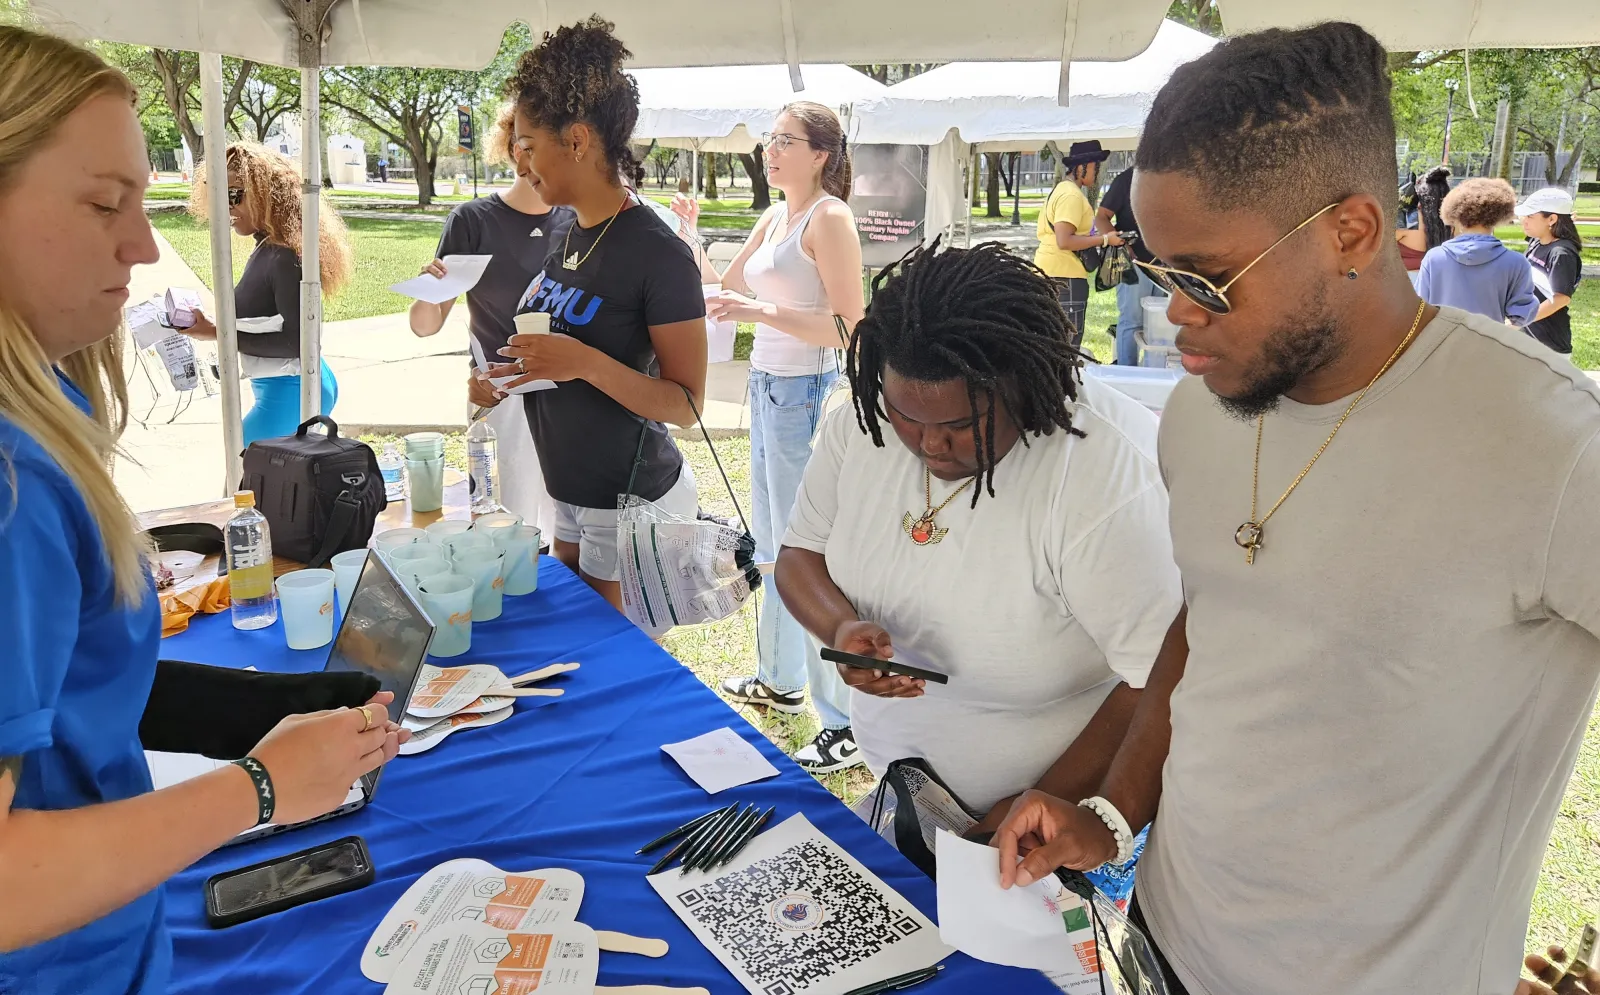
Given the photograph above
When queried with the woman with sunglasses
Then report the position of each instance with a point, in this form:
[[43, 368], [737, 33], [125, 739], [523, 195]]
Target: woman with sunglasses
[[264, 204], [623, 294], [798, 278]]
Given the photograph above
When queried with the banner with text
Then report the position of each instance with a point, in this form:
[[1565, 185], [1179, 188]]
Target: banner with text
[[889, 196]]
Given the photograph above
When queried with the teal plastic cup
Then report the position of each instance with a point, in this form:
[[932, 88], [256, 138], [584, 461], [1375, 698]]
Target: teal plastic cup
[[305, 603], [347, 573], [456, 544], [485, 565], [448, 601], [419, 572], [445, 528], [391, 540], [409, 561], [426, 481], [522, 561]]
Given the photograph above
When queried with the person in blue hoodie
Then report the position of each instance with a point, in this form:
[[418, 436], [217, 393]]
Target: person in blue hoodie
[[1473, 271]]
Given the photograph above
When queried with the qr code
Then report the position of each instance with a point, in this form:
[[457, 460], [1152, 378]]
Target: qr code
[[797, 918]]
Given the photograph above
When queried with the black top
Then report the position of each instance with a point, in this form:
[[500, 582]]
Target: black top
[[269, 285], [518, 242], [1557, 268], [640, 274], [1118, 199]]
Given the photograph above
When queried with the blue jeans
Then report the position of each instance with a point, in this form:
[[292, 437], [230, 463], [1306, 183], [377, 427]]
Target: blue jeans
[[277, 408], [784, 414], [1130, 316]]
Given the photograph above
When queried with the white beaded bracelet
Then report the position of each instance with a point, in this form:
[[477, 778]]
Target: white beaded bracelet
[[1114, 821]]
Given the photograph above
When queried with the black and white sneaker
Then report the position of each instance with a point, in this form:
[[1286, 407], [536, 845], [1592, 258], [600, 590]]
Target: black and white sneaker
[[750, 691], [833, 749]]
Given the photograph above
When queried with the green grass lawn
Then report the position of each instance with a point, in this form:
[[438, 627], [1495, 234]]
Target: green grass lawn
[[386, 253]]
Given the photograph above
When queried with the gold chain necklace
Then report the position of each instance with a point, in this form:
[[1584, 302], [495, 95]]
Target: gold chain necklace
[[922, 531], [1251, 534], [571, 261]]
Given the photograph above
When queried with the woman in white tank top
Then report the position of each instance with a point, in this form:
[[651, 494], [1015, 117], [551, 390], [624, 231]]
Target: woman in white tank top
[[798, 278]]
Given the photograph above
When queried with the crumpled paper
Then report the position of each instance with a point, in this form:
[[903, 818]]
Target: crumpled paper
[[207, 599]]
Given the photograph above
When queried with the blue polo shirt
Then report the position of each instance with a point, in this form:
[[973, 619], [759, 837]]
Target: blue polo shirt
[[77, 669]]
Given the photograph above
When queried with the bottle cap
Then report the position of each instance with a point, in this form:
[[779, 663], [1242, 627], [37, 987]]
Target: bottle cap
[[244, 499]]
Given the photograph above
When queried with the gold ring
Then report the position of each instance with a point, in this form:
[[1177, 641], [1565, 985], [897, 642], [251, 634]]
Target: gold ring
[[366, 713], [522, 366]]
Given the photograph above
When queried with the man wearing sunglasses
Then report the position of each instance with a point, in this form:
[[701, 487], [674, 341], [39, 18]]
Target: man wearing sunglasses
[[1357, 734]]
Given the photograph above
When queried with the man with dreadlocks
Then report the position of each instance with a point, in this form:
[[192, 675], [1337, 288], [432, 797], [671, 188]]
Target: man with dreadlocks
[[1014, 537], [1360, 726]]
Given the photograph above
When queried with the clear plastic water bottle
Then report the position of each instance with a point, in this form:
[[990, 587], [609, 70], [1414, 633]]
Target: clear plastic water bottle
[[248, 544], [483, 471], [389, 464]]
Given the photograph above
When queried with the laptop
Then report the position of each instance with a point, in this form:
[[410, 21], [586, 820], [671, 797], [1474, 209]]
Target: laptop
[[385, 633]]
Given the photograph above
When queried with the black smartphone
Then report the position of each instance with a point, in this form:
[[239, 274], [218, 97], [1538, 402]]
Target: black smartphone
[[282, 883], [887, 666]]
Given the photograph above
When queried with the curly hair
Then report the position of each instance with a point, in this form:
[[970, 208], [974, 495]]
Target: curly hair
[[271, 182], [981, 315], [575, 75], [1431, 191], [502, 138], [1479, 203], [1282, 121]]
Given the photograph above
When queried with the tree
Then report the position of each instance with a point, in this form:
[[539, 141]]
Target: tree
[[755, 168], [662, 161], [889, 74], [271, 93], [993, 193], [1560, 100], [1202, 15], [709, 175], [414, 108], [175, 76]]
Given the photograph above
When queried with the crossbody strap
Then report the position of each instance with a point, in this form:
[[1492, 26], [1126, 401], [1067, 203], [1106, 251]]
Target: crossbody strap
[[345, 507], [638, 456]]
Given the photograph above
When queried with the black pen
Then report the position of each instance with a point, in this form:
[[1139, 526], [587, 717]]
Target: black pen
[[683, 830], [718, 839], [718, 853], [685, 843], [706, 833], [743, 839], [897, 983]]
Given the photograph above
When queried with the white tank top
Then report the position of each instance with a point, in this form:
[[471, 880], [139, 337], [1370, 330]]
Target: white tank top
[[779, 272]]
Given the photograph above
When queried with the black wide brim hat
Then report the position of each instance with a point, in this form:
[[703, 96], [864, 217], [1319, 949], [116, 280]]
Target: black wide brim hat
[[1082, 153]]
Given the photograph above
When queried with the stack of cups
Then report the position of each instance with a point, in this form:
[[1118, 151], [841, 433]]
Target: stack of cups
[[425, 470]]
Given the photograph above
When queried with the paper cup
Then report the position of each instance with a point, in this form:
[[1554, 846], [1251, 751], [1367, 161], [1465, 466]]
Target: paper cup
[[533, 323], [486, 566], [448, 601], [347, 573], [522, 561], [444, 529], [305, 603]]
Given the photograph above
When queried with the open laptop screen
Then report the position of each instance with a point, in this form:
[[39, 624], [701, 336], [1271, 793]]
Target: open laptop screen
[[385, 633]]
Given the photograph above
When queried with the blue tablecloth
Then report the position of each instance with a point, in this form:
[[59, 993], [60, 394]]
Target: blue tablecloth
[[577, 782]]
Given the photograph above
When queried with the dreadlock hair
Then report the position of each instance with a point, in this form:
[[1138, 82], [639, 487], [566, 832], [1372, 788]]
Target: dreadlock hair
[[575, 75], [1283, 121], [1431, 193], [981, 315]]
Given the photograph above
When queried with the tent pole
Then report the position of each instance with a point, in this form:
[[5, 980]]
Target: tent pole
[[216, 144], [972, 166], [310, 255]]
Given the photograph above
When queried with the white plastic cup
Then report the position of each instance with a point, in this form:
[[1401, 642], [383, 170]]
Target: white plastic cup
[[347, 573], [486, 567], [522, 561], [391, 540], [448, 601], [497, 527], [445, 528], [454, 545], [305, 601], [419, 572]]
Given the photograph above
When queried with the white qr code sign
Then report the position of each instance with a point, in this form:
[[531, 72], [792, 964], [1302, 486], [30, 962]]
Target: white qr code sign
[[796, 915]]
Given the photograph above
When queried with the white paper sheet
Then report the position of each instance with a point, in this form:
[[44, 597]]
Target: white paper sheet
[[470, 891], [500, 382], [1039, 926], [797, 914], [462, 273], [473, 959], [720, 760]]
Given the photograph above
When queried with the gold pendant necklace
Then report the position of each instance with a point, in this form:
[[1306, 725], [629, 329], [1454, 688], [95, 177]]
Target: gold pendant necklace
[[571, 260], [923, 531], [1252, 534]]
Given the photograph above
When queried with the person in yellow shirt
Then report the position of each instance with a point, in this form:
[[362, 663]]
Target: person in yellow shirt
[[1066, 226]]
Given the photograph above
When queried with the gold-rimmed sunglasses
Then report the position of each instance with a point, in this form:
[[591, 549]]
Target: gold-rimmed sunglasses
[[1203, 292]]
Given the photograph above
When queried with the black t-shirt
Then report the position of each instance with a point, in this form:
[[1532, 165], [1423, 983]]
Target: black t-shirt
[[269, 285], [1118, 199], [639, 274], [1557, 268], [518, 242]]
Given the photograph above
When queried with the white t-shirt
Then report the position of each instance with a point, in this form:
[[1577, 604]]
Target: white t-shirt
[[1378, 718], [1036, 603]]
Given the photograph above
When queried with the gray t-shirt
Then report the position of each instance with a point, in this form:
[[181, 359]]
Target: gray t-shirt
[[1379, 717]]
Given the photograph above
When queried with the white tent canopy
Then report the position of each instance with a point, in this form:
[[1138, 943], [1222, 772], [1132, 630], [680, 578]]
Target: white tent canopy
[[727, 108], [1012, 106]]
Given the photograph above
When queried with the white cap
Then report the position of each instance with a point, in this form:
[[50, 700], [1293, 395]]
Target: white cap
[[1550, 200]]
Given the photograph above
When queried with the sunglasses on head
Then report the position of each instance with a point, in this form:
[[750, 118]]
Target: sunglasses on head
[[235, 196], [1202, 291]]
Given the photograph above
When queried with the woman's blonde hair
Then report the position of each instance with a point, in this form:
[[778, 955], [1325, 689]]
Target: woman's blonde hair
[[271, 183], [42, 81], [502, 137]]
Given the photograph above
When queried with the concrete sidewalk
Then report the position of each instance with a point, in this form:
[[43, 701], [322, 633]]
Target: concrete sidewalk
[[390, 382]]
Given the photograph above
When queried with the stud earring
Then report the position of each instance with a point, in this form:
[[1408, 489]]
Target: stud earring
[[1352, 274]]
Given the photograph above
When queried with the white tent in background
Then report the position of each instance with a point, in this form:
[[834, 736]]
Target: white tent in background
[[727, 108]]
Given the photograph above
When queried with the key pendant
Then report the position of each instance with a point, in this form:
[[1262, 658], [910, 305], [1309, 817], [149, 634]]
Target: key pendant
[[1249, 536]]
